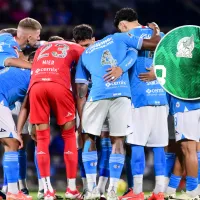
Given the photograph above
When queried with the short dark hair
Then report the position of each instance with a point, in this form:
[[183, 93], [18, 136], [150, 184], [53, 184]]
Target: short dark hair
[[127, 14], [82, 32], [55, 38], [12, 31], [31, 55]]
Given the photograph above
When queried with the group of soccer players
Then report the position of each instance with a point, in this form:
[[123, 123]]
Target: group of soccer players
[[107, 91]]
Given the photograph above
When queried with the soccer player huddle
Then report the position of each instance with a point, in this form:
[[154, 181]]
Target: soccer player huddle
[[107, 92]]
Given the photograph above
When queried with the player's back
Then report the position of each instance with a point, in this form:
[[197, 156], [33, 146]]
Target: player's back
[[14, 83], [103, 54], [144, 93], [53, 62]]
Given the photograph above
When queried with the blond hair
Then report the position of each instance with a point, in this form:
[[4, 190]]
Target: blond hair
[[30, 23]]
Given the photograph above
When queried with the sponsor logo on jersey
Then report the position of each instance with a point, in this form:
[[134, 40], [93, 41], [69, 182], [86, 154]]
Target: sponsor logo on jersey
[[54, 70], [116, 83], [154, 91], [185, 47], [68, 152], [41, 153]]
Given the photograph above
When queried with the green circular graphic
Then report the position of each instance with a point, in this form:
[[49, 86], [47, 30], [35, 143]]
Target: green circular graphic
[[177, 62]]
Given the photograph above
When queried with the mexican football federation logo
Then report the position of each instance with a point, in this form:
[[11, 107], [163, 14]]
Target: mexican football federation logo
[[177, 62], [185, 47], [107, 59]]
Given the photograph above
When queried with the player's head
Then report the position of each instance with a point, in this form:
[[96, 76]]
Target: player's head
[[31, 56], [55, 38], [83, 35], [12, 31], [126, 19], [28, 32]]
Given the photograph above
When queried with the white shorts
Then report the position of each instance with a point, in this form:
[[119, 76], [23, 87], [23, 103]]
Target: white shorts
[[105, 127], [15, 114], [150, 126], [171, 127], [7, 124], [187, 125], [118, 112]]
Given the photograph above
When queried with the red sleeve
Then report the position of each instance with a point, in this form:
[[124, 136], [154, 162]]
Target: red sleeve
[[78, 50]]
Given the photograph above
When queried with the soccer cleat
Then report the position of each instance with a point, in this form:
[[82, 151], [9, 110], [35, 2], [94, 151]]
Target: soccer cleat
[[96, 193], [25, 191], [40, 196], [132, 196], [159, 196], [102, 197], [2, 195], [19, 196], [87, 195], [112, 195], [185, 196], [169, 196], [72, 194], [49, 195]]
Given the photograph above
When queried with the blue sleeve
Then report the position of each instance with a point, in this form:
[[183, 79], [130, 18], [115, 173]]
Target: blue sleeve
[[130, 40], [7, 51], [130, 59], [82, 74]]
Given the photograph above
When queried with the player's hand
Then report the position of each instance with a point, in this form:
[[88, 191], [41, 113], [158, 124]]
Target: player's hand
[[113, 74], [21, 143], [148, 76], [153, 25]]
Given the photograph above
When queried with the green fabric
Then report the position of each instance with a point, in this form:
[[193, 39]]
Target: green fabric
[[179, 53]]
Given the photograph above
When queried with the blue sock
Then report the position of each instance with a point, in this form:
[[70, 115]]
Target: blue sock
[[198, 155], [80, 164], [90, 165], [137, 160], [22, 164], [90, 162], [128, 171], [170, 160], [11, 166], [106, 148], [191, 183], [159, 161], [174, 181], [36, 163], [116, 164]]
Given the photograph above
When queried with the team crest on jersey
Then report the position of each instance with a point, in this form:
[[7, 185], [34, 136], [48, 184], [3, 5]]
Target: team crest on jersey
[[107, 59], [177, 104], [185, 47]]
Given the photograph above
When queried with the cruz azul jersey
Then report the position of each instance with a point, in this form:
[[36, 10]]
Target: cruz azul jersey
[[103, 54], [53, 62], [145, 93], [14, 84], [177, 105], [8, 48]]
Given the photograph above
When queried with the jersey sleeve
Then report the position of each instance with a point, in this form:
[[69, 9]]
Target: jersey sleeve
[[130, 40], [7, 51], [129, 60], [82, 74]]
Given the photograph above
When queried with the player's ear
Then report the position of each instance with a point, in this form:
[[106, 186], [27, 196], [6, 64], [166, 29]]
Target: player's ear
[[93, 39]]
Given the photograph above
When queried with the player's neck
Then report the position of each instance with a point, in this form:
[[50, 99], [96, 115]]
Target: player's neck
[[21, 42], [133, 25]]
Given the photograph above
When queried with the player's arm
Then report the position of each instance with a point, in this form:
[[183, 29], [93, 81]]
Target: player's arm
[[81, 80], [23, 116], [17, 62], [115, 72], [138, 42]]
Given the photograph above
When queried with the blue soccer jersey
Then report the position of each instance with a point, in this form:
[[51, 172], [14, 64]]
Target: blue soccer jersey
[[145, 93], [8, 48], [178, 105], [14, 85], [109, 52]]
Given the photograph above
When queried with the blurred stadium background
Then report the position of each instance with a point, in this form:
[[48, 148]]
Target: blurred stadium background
[[58, 17]]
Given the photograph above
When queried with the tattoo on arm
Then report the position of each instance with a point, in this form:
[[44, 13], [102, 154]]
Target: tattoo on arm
[[82, 90]]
